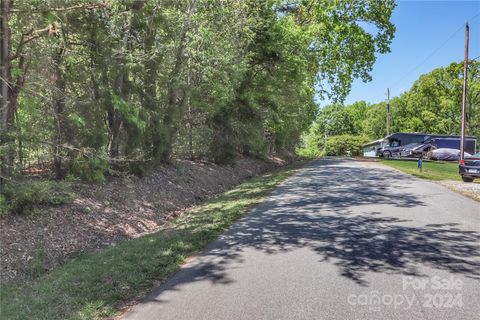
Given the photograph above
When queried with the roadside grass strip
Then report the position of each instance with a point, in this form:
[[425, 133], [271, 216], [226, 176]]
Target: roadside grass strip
[[436, 171], [95, 284]]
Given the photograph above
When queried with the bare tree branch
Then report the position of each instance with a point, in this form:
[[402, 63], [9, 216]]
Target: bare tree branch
[[84, 6], [32, 35]]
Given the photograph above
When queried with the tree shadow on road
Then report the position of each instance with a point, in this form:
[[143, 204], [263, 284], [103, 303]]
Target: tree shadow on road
[[341, 223]]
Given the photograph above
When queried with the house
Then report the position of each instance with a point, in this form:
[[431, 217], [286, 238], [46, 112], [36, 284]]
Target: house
[[370, 149]]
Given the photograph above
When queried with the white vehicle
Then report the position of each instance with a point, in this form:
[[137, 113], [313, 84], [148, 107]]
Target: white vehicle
[[446, 154]]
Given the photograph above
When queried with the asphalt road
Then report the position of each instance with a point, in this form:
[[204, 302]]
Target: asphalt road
[[339, 240]]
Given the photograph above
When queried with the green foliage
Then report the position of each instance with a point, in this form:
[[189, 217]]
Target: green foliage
[[145, 81], [93, 285], [129, 112], [90, 169], [223, 151], [345, 145], [24, 197], [312, 144], [76, 119], [4, 207], [336, 124], [432, 105]]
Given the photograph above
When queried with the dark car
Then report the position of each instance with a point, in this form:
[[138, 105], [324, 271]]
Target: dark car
[[469, 168], [392, 149]]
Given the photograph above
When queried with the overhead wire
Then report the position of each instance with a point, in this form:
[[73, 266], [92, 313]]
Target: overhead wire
[[434, 52]]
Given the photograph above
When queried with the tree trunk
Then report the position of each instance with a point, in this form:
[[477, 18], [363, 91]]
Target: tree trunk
[[102, 92], [9, 90], [115, 123], [63, 132], [190, 129], [5, 121], [175, 96], [20, 141], [153, 135]]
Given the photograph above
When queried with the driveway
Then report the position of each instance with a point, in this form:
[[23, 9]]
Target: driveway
[[339, 240]]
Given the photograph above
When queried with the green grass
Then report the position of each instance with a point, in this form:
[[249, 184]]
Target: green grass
[[431, 170], [93, 285]]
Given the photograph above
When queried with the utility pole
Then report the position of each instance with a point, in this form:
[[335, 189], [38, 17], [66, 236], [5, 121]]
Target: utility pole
[[464, 97], [388, 111]]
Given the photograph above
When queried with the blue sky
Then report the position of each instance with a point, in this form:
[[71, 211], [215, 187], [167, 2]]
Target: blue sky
[[422, 27]]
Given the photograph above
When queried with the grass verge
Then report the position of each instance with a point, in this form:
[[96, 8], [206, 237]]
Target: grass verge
[[431, 170], [93, 286]]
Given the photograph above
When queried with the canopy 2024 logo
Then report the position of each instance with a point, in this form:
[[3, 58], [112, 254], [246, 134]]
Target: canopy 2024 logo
[[437, 293]]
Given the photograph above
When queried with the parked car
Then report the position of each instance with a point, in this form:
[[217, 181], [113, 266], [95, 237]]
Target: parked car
[[392, 149], [469, 168]]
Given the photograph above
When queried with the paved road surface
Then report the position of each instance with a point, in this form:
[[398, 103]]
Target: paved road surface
[[327, 244]]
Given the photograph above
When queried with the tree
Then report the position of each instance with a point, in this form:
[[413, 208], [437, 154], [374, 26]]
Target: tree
[[130, 84], [432, 105]]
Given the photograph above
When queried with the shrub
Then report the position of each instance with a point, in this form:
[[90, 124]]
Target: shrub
[[139, 169], [223, 152], [254, 147], [90, 170], [345, 145], [23, 197], [4, 208], [310, 148]]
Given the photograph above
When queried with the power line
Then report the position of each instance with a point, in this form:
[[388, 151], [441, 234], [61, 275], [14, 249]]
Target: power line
[[435, 51]]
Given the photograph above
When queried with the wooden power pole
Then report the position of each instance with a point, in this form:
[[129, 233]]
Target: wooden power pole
[[464, 97], [388, 111]]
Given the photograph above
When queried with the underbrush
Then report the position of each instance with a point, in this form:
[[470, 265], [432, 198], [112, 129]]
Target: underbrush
[[95, 284], [25, 197], [340, 145], [90, 170]]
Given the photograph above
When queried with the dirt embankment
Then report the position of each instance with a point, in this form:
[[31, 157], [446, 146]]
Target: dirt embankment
[[123, 208]]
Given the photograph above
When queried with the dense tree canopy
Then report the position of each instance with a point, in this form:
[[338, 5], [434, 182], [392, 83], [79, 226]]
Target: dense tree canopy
[[432, 105], [124, 83]]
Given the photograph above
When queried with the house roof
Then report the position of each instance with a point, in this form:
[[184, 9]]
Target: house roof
[[427, 134], [374, 142], [432, 135]]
